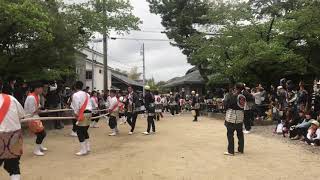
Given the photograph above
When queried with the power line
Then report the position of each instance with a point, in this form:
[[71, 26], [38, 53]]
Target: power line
[[138, 39]]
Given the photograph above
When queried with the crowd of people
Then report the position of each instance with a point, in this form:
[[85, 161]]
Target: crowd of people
[[295, 109], [36, 101]]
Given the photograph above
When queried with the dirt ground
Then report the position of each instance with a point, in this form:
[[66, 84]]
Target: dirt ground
[[181, 150]]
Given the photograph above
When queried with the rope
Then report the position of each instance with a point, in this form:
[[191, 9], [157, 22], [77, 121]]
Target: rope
[[65, 110], [59, 118]]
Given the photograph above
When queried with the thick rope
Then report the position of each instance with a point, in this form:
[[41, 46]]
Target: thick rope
[[58, 118]]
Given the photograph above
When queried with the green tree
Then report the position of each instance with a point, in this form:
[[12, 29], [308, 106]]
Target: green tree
[[254, 41], [37, 40]]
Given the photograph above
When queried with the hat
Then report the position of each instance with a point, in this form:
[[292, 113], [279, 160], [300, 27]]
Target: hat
[[147, 88], [193, 92], [315, 123], [279, 87]]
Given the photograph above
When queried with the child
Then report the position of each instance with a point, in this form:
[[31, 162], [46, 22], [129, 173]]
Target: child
[[114, 112]]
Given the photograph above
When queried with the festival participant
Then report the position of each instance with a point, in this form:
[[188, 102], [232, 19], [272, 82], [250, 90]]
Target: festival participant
[[131, 105], [122, 114], [172, 103], [150, 108], [95, 106], [234, 104], [195, 105], [113, 111], [82, 109], [11, 112], [158, 105], [248, 112], [32, 107]]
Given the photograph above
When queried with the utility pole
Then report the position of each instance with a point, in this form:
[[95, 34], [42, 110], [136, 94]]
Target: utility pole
[[105, 50], [92, 71], [105, 61], [144, 68]]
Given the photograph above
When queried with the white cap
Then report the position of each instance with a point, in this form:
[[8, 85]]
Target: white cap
[[193, 92], [279, 87], [315, 123], [147, 88]]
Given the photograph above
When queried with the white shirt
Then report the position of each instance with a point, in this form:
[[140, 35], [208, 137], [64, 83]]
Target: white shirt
[[156, 97], [11, 121], [113, 101], [78, 100], [317, 133], [30, 105], [257, 98], [94, 103]]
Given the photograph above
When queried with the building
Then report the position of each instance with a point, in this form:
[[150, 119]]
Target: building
[[90, 70], [192, 81]]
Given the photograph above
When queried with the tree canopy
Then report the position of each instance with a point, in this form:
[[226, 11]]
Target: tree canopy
[[40, 39], [252, 41]]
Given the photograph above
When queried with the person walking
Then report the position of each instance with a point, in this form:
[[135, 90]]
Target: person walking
[[32, 107], [195, 105], [150, 108], [83, 111], [234, 104], [132, 104]]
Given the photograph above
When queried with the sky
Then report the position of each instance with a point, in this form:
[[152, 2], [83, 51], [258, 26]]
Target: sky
[[162, 60]]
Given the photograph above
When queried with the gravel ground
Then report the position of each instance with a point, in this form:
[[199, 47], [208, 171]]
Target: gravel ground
[[181, 150]]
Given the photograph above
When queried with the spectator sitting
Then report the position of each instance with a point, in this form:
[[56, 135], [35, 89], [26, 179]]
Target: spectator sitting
[[299, 131], [313, 136]]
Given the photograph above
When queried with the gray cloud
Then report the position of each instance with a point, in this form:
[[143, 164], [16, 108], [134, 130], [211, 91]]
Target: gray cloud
[[163, 61]]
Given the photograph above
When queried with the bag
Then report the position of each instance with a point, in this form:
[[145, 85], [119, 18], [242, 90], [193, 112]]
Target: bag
[[279, 128], [35, 126], [194, 113]]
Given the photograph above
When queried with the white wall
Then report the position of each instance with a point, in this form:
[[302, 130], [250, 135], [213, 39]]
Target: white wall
[[97, 76]]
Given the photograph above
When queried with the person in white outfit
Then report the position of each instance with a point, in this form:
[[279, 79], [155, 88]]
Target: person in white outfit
[[95, 106], [83, 111], [32, 107], [11, 112], [113, 113]]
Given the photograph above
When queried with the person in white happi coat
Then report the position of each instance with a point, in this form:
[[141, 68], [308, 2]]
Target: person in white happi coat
[[11, 113], [32, 107], [83, 111]]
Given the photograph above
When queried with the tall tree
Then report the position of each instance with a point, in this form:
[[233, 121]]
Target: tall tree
[[37, 39], [251, 41]]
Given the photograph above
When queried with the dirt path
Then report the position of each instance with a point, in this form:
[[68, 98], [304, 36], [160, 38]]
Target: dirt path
[[181, 150]]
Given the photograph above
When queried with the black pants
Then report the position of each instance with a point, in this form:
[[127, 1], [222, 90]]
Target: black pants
[[82, 132], [74, 125], [248, 119], [172, 109], [197, 114], [95, 115], [231, 128], [11, 165], [151, 124], [177, 109], [316, 142], [112, 122], [131, 119], [40, 136]]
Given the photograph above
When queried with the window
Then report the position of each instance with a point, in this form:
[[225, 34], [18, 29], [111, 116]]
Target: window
[[100, 71], [88, 75]]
